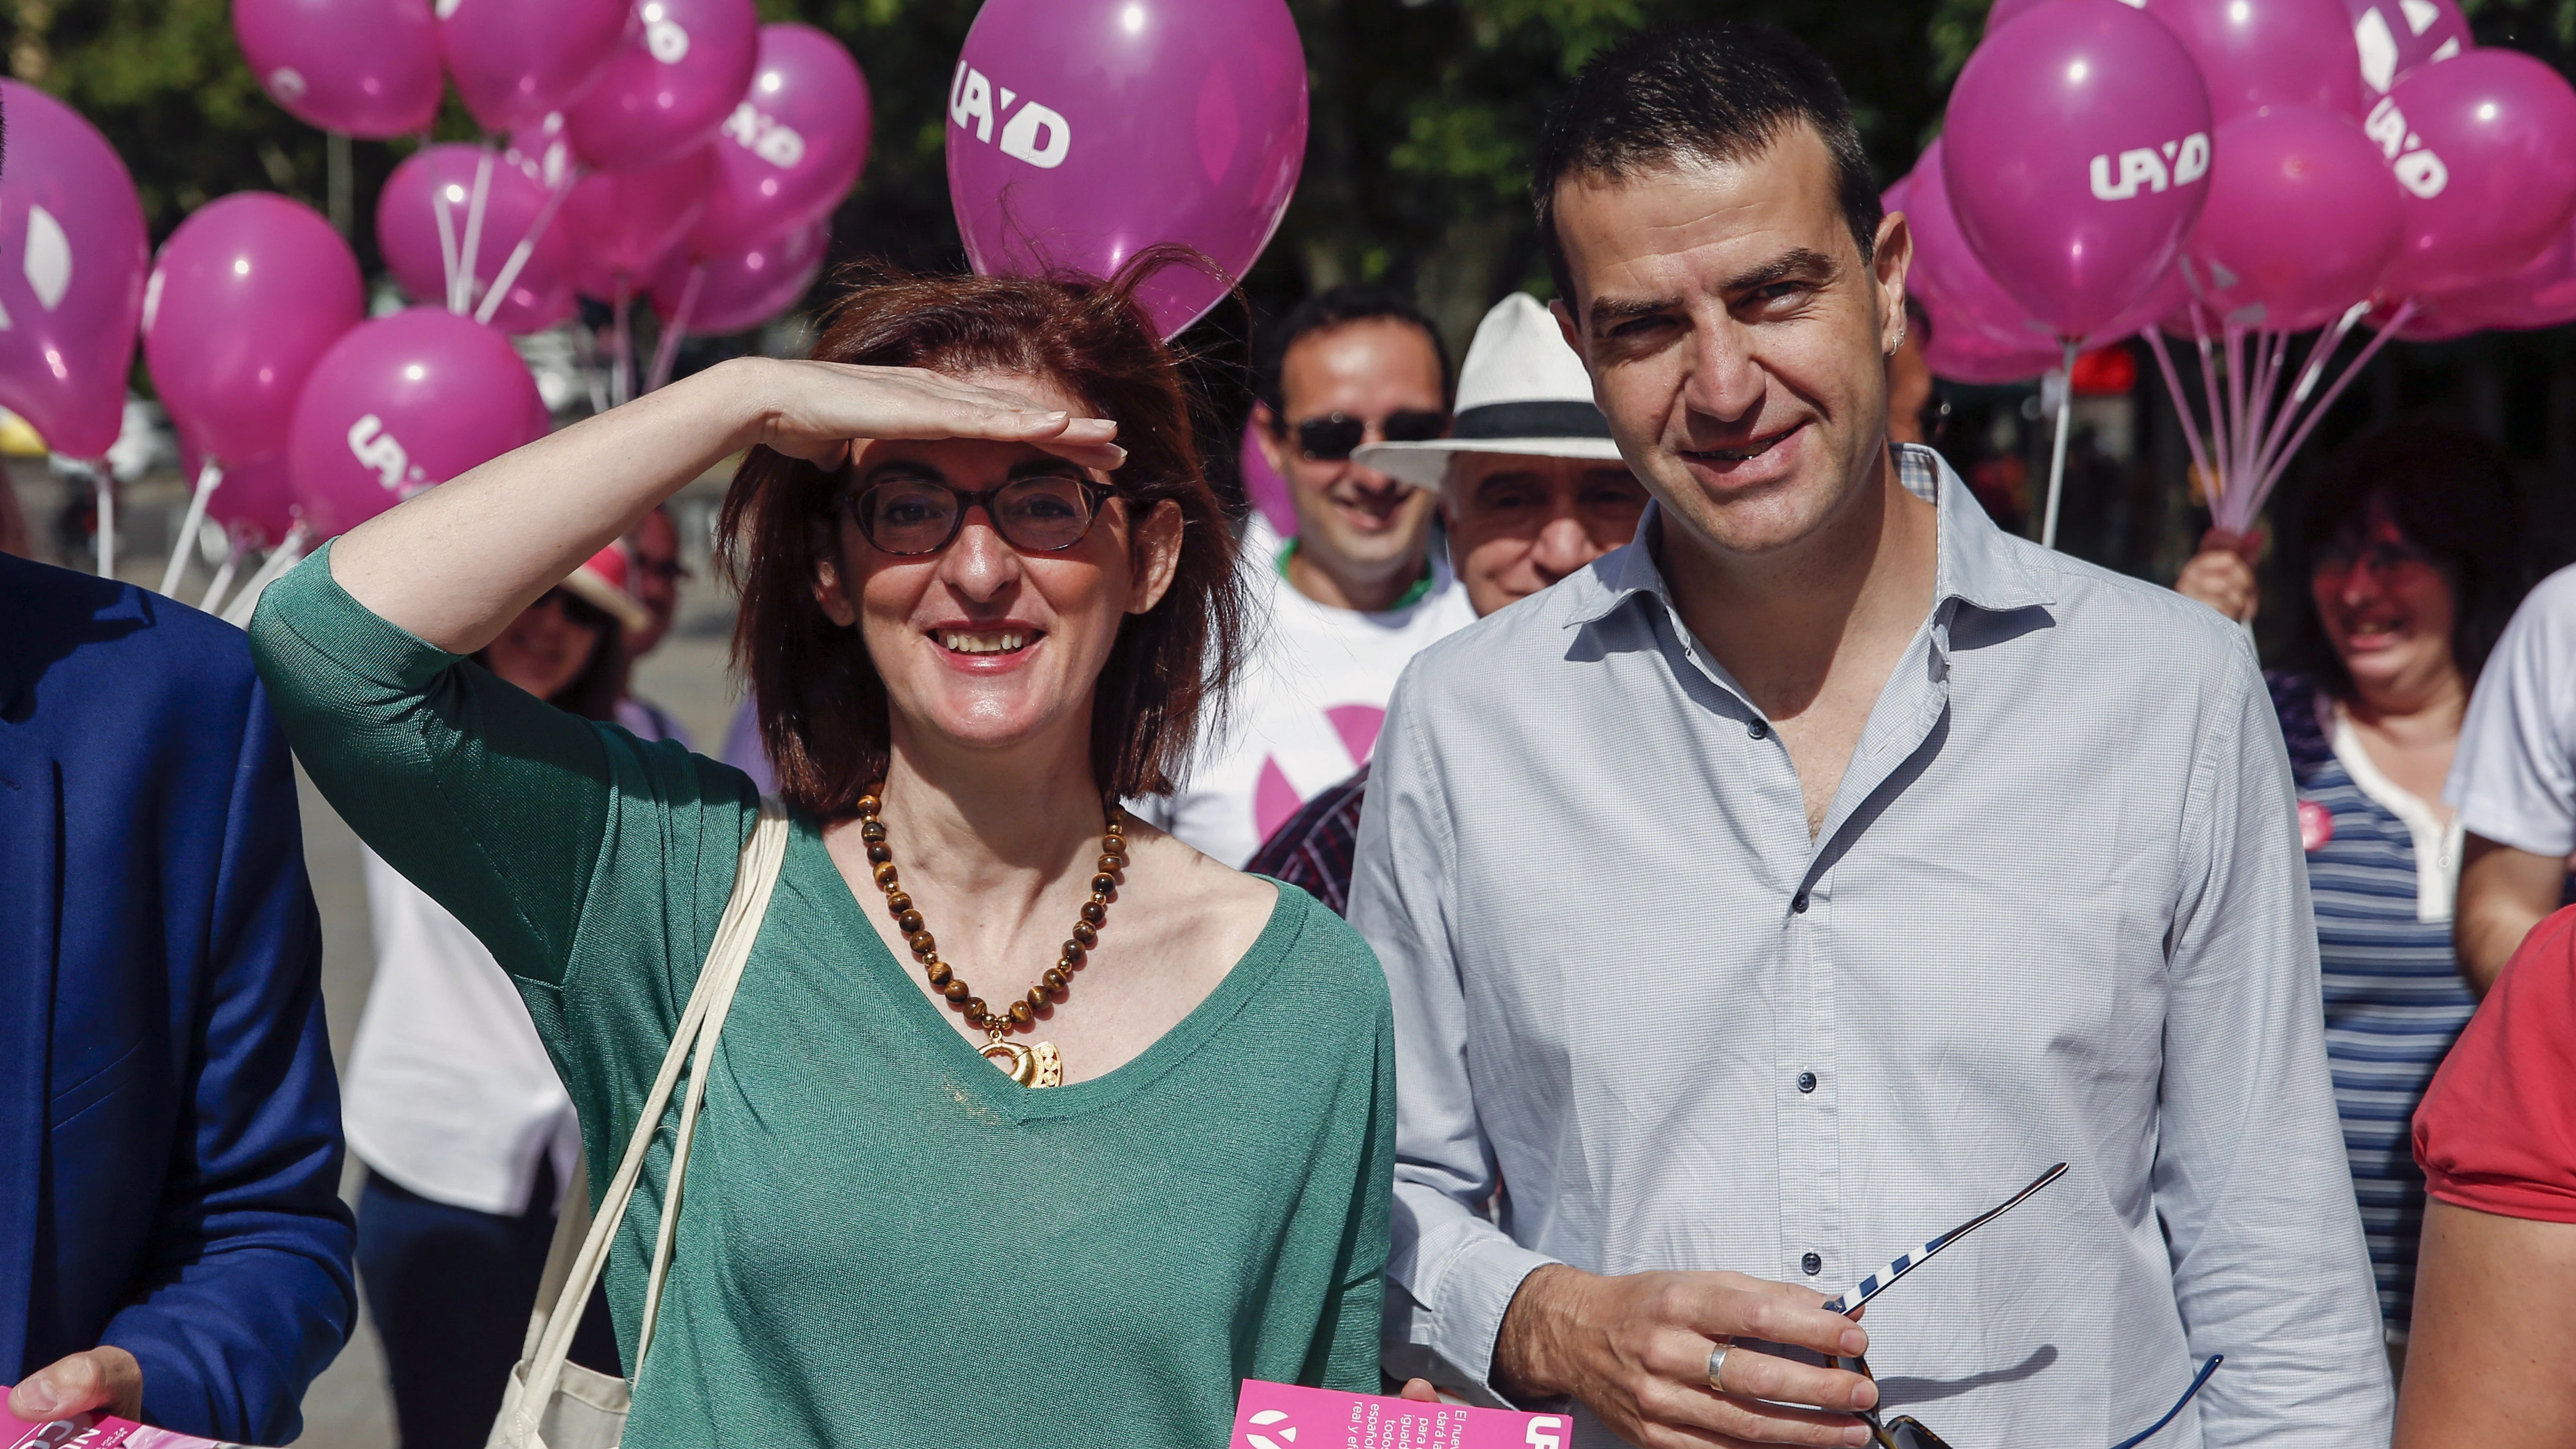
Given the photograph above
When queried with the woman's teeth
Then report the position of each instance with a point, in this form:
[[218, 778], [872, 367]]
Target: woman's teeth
[[999, 641]]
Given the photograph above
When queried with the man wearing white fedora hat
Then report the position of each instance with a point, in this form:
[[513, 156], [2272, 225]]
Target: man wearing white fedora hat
[[1531, 488]]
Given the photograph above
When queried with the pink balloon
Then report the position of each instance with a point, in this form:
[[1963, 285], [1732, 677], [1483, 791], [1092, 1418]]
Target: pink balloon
[[1947, 277], [255, 504], [1263, 485], [403, 403], [72, 259], [367, 67], [2484, 148], [2541, 294], [2077, 140], [513, 203], [682, 68], [743, 290], [2392, 37], [792, 148], [621, 224], [515, 60], [1081, 132], [2302, 220], [246, 295], [1970, 357], [2258, 53]]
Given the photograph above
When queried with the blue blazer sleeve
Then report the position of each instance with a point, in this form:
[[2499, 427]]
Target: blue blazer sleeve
[[245, 1295]]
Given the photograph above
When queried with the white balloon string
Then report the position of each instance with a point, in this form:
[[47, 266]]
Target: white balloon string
[[2405, 312], [2258, 406], [2320, 352], [469, 252], [2057, 450], [621, 367], [446, 242], [2217, 480], [585, 351], [106, 485], [2181, 402], [224, 575], [526, 248], [666, 348], [288, 553], [209, 478], [2235, 402]]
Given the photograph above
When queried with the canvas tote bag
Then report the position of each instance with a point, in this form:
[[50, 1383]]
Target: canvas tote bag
[[548, 1402]]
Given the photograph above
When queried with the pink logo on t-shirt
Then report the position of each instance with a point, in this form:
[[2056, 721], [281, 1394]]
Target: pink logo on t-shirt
[[1274, 799], [2316, 826]]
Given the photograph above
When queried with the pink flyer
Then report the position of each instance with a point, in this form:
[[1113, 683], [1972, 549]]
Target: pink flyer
[[1284, 1416], [95, 1431]]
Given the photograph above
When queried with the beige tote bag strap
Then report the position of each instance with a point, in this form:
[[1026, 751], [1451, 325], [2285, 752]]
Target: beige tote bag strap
[[692, 1043]]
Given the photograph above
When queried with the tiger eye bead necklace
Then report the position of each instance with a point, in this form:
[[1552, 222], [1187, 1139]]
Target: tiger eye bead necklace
[[1033, 1064]]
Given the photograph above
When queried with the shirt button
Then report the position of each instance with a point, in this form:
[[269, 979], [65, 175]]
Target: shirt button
[[1812, 1264], [1758, 730], [1798, 903], [1806, 1081]]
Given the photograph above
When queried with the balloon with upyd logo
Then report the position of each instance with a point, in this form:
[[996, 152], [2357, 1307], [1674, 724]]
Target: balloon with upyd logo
[[1081, 132], [73, 254], [515, 60], [245, 296], [2303, 218], [2075, 153], [2393, 37], [2258, 53], [2483, 147], [792, 147], [367, 67], [403, 403], [680, 71], [743, 289], [407, 232]]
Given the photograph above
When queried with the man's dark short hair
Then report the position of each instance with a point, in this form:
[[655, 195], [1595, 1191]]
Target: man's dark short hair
[[1325, 310], [1705, 93]]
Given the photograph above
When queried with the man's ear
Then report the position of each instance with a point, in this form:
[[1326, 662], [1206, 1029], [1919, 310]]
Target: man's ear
[[1888, 266], [1566, 325], [1266, 431], [1157, 555]]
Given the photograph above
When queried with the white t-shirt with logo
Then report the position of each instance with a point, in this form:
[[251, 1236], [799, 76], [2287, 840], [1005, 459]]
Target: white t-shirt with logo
[[1306, 709], [2514, 779]]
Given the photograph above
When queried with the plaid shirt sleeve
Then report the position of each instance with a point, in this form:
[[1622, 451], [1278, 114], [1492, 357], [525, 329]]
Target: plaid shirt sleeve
[[1313, 850]]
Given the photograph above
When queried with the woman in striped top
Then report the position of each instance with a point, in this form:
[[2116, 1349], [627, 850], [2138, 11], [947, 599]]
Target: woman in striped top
[[2410, 550]]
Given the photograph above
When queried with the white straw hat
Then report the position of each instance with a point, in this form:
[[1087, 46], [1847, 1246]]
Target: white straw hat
[[1521, 390]]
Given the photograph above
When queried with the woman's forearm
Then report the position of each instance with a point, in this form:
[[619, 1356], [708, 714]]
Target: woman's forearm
[[458, 563]]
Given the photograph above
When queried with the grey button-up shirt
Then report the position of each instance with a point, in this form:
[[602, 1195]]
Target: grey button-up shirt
[[2057, 913]]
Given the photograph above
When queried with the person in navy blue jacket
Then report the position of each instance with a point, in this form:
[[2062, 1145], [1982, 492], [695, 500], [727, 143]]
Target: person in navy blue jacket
[[172, 1243]]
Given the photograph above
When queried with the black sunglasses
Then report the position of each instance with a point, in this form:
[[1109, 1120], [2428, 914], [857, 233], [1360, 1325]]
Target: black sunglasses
[[1334, 436], [1048, 513], [1907, 1432]]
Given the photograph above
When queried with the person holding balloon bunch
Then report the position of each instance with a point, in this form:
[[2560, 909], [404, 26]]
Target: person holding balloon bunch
[[997, 1048]]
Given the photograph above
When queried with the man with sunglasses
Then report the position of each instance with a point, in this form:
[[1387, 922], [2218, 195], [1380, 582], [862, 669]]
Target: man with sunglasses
[[1815, 869], [1341, 608]]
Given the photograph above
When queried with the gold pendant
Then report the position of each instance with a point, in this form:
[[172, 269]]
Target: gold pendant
[[1036, 1065]]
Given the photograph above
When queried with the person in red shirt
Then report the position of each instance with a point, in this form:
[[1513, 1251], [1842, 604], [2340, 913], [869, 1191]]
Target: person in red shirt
[[2493, 1358]]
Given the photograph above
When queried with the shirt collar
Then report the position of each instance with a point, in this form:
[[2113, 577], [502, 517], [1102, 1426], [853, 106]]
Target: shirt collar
[[1975, 562]]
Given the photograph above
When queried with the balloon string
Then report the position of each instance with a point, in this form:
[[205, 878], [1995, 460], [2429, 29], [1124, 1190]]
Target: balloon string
[[288, 553], [2235, 402], [2218, 480], [622, 365], [666, 348], [526, 248], [2320, 352], [585, 350], [224, 574], [2405, 312], [2258, 409], [106, 484], [470, 252], [209, 477], [2057, 449], [446, 242], [2182, 403]]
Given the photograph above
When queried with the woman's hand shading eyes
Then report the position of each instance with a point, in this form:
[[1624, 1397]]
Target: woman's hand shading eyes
[[817, 410]]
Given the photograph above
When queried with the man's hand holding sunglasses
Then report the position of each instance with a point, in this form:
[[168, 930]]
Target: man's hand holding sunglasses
[[1637, 1350]]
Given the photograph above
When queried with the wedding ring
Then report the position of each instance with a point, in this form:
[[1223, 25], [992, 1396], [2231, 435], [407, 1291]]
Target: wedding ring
[[1717, 1365]]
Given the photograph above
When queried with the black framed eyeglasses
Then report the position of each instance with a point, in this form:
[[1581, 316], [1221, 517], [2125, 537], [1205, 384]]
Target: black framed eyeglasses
[[1907, 1432], [1335, 436], [1044, 513]]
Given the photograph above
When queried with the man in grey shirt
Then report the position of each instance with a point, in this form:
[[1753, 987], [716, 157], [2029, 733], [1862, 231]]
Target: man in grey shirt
[[1798, 881]]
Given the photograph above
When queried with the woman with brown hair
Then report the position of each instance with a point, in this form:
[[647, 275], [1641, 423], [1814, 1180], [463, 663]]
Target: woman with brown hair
[[986, 593]]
